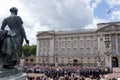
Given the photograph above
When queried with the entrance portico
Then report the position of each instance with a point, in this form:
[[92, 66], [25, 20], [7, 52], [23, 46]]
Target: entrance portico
[[109, 43]]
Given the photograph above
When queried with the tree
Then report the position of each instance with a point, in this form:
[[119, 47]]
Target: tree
[[32, 50], [27, 50]]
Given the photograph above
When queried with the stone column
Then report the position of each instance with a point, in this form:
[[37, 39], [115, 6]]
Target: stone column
[[116, 43], [37, 55]]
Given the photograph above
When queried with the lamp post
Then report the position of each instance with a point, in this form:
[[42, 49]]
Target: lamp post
[[108, 53]]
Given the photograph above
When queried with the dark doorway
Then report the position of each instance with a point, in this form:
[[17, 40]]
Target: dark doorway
[[75, 62], [114, 62]]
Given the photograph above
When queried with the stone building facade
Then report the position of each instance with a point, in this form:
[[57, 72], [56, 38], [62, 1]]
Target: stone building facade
[[85, 47]]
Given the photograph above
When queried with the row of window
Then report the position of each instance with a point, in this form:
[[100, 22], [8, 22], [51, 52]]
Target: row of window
[[29, 60], [44, 51], [77, 51], [58, 60], [80, 43], [75, 37], [62, 43], [44, 43]]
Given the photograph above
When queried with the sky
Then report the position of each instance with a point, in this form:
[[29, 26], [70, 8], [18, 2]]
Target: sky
[[42, 15]]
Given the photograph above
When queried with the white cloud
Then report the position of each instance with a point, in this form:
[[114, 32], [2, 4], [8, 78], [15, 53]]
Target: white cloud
[[115, 15], [57, 14], [94, 3], [93, 25], [113, 3], [114, 12], [39, 15], [60, 14]]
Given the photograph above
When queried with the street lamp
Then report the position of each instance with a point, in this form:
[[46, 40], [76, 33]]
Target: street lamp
[[108, 52]]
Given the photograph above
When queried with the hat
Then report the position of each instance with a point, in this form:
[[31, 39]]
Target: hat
[[13, 9]]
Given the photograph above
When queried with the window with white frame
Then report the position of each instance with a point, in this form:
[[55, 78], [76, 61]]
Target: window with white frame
[[68, 51], [81, 43], [81, 51], [95, 50], [95, 43], [88, 43], [88, 51], [75, 51], [68, 44], [48, 51], [63, 44], [75, 43], [62, 51], [60, 44]]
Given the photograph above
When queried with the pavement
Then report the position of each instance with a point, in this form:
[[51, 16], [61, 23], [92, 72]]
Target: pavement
[[115, 74]]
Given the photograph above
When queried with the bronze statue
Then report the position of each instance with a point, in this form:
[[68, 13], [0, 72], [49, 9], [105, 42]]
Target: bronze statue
[[11, 41]]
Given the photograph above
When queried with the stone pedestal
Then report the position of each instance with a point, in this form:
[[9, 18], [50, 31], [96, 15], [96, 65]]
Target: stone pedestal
[[12, 74], [19, 76]]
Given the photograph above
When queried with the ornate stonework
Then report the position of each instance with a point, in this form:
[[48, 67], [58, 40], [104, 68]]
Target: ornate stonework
[[79, 47]]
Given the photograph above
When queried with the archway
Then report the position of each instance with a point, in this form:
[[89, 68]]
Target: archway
[[114, 62], [75, 62]]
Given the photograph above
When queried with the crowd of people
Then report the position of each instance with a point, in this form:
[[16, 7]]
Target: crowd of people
[[67, 73]]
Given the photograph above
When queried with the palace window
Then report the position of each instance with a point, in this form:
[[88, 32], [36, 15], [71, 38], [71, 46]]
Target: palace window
[[68, 43], [81, 43], [95, 50], [88, 51], [88, 43], [56, 44], [26, 59], [88, 57], [95, 43], [81, 51], [31, 60], [63, 43], [59, 44], [48, 43], [68, 51], [75, 43], [75, 51], [62, 51], [47, 52]]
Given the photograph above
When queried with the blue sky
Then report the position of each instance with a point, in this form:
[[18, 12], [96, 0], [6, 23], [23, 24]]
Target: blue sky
[[42, 15], [101, 10], [104, 10]]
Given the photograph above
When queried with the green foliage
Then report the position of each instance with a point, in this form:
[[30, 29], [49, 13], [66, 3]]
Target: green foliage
[[27, 50], [32, 50]]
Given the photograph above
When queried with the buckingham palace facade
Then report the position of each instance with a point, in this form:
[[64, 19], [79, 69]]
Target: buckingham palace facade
[[85, 47]]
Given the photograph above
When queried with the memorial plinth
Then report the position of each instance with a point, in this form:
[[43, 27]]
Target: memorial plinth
[[12, 74], [19, 76]]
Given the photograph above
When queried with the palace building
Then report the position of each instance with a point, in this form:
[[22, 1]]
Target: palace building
[[85, 47]]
